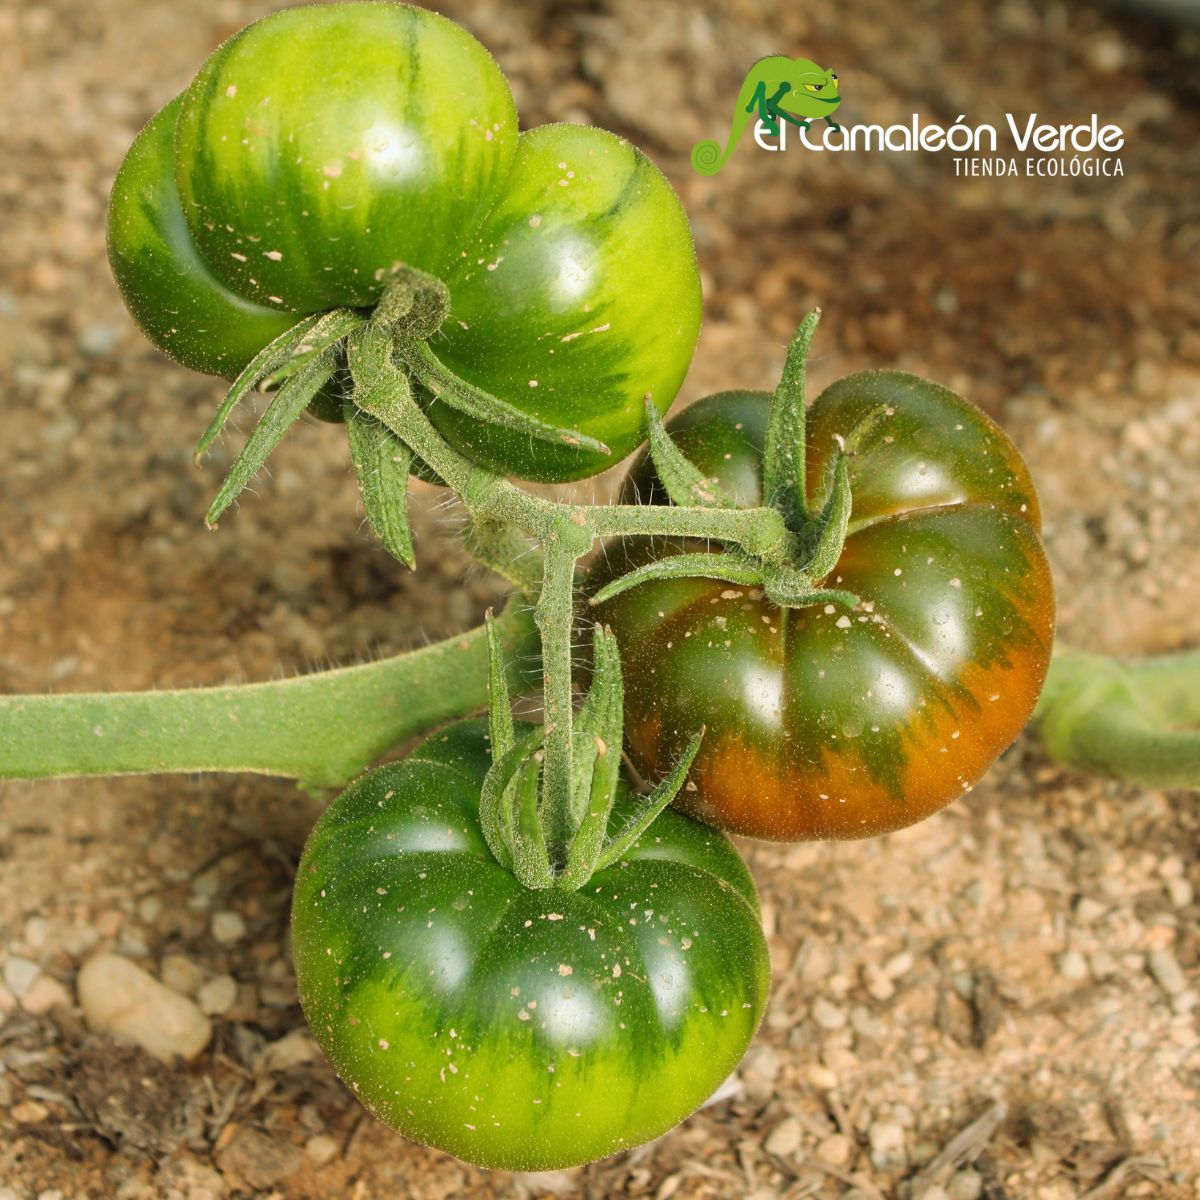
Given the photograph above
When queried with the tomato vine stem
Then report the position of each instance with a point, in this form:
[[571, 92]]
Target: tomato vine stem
[[321, 729], [1137, 720]]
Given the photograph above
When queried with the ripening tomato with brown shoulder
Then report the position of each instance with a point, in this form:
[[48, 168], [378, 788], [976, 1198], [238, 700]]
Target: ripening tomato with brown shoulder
[[832, 722]]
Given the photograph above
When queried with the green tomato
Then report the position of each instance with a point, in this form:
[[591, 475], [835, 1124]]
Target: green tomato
[[322, 147], [519, 1029], [824, 723]]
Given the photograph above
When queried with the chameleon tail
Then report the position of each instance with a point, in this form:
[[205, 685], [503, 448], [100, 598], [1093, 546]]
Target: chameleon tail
[[708, 157]]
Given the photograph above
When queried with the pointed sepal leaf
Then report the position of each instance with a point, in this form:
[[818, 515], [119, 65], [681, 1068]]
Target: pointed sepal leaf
[[828, 529], [597, 748], [382, 463], [495, 807], [598, 725], [654, 803], [483, 406], [588, 842], [731, 568], [330, 328], [784, 456], [531, 861], [285, 409], [681, 479], [266, 360]]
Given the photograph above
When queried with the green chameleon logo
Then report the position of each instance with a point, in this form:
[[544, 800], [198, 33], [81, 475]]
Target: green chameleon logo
[[777, 88]]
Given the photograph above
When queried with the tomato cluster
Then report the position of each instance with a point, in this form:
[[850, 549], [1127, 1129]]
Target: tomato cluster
[[535, 1016]]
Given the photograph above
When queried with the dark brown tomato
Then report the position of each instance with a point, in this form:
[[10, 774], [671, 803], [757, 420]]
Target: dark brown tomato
[[824, 722]]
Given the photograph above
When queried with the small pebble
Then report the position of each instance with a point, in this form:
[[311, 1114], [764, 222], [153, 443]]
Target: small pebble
[[784, 1139], [228, 927], [822, 1078], [20, 974], [1072, 965], [1184, 1003], [1167, 972], [835, 1149], [217, 995], [827, 1015], [966, 1185], [30, 1112], [45, 995], [36, 932], [321, 1149], [1179, 891], [887, 1145], [292, 1050], [1088, 910], [1103, 966], [181, 975], [98, 339], [119, 998]]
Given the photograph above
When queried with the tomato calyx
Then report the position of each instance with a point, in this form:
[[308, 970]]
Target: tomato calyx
[[791, 567], [371, 354], [544, 843]]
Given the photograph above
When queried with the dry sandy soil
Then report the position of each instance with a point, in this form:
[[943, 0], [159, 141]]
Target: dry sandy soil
[[993, 956]]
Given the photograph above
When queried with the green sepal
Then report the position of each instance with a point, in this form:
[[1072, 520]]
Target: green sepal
[[266, 360], [601, 716], [531, 861], [827, 531], [378, 381], [382, 463], [495, 811], [597, 760], [784, 456], [680, 477], [285, 409], [317, 333], [483, 406], [730, 568], [330, 328], [655, 802], [588, 841]]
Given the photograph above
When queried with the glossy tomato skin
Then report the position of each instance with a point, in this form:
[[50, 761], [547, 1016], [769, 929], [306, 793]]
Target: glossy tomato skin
[[823, 723], [519, 1029], [578, 297], [322, 145], [170, 290]]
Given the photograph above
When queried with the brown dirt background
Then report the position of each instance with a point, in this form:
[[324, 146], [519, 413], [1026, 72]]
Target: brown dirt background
[[994, 953]]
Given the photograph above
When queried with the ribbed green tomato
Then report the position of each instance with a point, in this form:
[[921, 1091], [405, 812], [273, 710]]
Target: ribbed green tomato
[[515, 1028], [827, 723], [321, 147]]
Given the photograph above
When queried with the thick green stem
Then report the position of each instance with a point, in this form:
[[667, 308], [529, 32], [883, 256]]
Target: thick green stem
[[1135, 720], [321, 729]]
